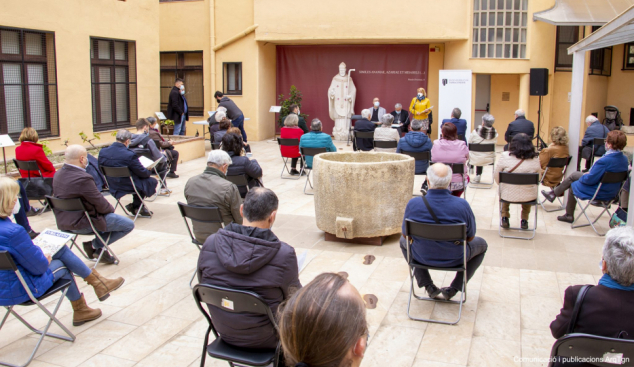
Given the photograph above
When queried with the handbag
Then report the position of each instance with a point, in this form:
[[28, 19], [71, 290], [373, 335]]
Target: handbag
[[37, 187], [618, 219]]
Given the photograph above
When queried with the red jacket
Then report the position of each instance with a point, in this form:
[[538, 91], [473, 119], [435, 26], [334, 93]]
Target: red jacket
[[290, 133], [29, 151]]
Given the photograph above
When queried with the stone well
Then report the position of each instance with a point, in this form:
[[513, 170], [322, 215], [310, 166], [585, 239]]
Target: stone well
[[362, 194]]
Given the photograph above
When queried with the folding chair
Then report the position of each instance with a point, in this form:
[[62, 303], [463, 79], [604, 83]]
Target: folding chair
[[392, 144], [555, 163], [234, 301], [484, 148], [61, 285], [457, 169], [456, 233], [215, 146], [608, 178], [520, 179], [353, 119], [124, 172], [202, 214], [241, 181], [611, 351], [596, 143], [362, 135], [29, 166], [419, 156], [462, 138], [289, 143], [310, 152], [75, 205]]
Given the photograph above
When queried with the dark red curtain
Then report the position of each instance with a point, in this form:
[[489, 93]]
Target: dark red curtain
[[390, 72]]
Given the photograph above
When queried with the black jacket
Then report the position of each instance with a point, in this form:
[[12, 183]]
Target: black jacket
[[301, 123], [403, 118], [252, 259], [176, 106], [520, 125], [364, 125], [242, 165], [118, 155]]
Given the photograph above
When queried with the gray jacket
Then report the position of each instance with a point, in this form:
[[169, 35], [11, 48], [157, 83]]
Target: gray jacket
[[233, 112], [143, 142]]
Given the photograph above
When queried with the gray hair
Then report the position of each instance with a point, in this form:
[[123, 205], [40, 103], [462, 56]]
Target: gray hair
[[618, 254], [591, 119], [387, 119], [291, 120], [218, 158], [488, 120], [219, 115], [315, 125], [398, 105], [222, 108], [365, 114], [418, 125], [123, 135], [151, 120], [456, 113], [439, 176], [520, 113], [73, 152]]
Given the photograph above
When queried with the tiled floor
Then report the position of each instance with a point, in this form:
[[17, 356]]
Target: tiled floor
[[153, 320]]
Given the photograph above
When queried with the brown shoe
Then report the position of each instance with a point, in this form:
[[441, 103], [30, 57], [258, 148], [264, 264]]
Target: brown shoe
[[103, 286], [82, 313]]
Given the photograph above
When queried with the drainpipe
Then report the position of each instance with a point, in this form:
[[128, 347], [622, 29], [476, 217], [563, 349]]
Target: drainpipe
[[212, 54]]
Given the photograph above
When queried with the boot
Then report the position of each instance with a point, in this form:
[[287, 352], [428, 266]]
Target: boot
[[103, 286], [82, 313]]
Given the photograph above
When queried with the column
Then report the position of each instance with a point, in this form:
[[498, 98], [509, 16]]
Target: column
[[525, 86]]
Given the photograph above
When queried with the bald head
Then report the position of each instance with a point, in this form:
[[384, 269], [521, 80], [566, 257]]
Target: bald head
[[439, 176], [76, 155]]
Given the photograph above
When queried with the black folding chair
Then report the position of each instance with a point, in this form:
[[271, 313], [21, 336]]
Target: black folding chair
[[353, 119], [456, 233], [30, 166], [362, 135], [201, 214], [419, 156], [520, 179], [124, 172], [555, 163], [392, 144], [596, 144], [61, 285], [608, 178], [75, 205], [457, 169], [238, 302], [241, 181], [461, 137], [484, 148], [215, 146], [611, 351], [289, 143], [310, 152]]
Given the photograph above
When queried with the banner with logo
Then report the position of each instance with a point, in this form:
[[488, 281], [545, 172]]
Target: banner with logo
[[455, 91]]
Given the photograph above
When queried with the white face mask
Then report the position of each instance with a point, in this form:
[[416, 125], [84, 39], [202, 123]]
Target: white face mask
[[156, 127], [16, 208], [182, 92], [420, 95], [376, 104]]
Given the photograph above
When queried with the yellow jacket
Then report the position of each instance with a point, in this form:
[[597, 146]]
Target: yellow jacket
[[417, 107]]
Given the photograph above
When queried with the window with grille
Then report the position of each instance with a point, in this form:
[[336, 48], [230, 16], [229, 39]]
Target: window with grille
[[499, 29], [232, 78], [113, 75], [189, 67], [601, 60], [28, 82], [566, 37], [628, 56]]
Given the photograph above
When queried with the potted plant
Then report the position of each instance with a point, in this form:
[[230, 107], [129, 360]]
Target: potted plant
[[167, 127], [295, 97]]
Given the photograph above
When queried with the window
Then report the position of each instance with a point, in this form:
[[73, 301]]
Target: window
[[499, 29], [28, 82], [566, 37], [189, 67], [601, 60], [232, 78], [628, 56], [113, 74]]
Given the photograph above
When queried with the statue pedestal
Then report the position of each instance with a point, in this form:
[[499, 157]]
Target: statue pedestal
[[375, 241], [340, 131]]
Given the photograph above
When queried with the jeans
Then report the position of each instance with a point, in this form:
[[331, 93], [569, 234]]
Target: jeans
[[239, 123], [21, 217], [565, 185], [65, 263], [478, 247], [117, 227], [179, 128]]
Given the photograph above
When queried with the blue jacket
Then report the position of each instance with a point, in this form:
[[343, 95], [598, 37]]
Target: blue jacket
[[596, 130], [585, 187], [30, 261], [316, 139], [461, 125], [118, 155], [416, 141]]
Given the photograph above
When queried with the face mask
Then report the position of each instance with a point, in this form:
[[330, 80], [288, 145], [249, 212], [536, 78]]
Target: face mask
[[420, 95], [376, 104], [16, 208], [156, 127], [298, 111], [182, 92]]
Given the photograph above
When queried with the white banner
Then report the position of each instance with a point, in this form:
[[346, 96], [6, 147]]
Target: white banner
[[455, 91]]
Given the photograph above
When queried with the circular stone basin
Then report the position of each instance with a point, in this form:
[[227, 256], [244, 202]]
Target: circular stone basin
[[362, 194]]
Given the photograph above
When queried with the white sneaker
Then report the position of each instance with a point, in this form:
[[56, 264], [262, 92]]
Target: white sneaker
[[165, 192], [476, 179]]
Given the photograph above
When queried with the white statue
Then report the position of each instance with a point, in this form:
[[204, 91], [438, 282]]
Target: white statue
[[341, 97]]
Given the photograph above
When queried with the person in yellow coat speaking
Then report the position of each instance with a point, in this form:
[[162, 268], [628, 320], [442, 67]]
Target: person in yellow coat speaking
[[420, 106]]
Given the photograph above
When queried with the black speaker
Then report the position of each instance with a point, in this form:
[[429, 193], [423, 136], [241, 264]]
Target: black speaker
[[539, 82]]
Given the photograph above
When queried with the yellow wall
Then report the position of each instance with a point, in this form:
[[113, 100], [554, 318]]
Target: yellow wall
[[620, 85], [436, 63], [504, 111], [266, 91]]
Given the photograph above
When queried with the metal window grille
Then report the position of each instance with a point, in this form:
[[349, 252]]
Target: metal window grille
[[628, 56], [499, 29], [600, 60], [28, 82], [113, 77], [566, 37], [189, 67], [232, 78]]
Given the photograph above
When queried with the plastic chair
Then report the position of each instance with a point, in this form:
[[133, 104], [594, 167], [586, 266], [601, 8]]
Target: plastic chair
[[289, 143], [124, 172], [521, 179], [484, 148], [310, 152], [613, 352], [30, 166], [555, 163]]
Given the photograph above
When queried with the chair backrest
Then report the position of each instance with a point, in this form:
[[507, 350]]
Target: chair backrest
[[614, 177], [613, 351], [461, 137], [115, 171], [436, 232], [66, 205], [288, 142], [482, 147], [558, 162], [419, 156], [6, 261], [364, 134], [456, 168], [392, 144], [204, 214], [27, 166], [311, 152], [519, 178], [597, 142], [215, 146], [239, 180]]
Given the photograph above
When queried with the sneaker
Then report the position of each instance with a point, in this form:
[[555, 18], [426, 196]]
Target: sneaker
[[524, 224], [172, 175], [106, 258], [88, 249], [448, 292], [505, 223], [33, 234], [565, 218], [165, 192], [294, 172], [432, 291], [476, 179]]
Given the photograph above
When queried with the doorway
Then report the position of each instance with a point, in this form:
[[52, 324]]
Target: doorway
[[482, 99]]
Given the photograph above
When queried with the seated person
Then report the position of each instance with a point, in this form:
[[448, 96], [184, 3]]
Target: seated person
[[214, 121], [211, 188], [483, 134], [142, 144], [30, 150], [416, 141], [364, 125], [316, 139], [595, 130], [520, 158], [461, 124], [448, 149], [166, 145], [385, 132], [584, 185], [118, 155], [241, 165], [249, 256], [558, 148], [449, 210], [74, 182], [519, 125], [331, 305], [291, 131], [223, 126], [246, 148], [41, 271], [402, 118]]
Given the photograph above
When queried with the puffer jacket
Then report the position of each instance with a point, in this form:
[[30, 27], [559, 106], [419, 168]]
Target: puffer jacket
[[452, 151], [252, 259], [30, 261], [316, 139], [476, 137], [517, 193], [416, 141]]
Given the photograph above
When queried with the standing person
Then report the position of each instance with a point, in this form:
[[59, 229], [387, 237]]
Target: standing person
[[518, 126], [177, 107], [292, 131], [595, 130], [233, 112], [166, 145], [461, 124], [483, 134], [449, 149], [402, 118], [376, 111], [420, 107], [301, 122], [30, 150]]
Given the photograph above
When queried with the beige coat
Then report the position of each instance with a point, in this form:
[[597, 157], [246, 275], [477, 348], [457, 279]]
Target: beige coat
[[386, 134], [481, 158], [516, 193]]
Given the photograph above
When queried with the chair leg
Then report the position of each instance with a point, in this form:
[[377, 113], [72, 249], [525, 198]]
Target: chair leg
[[81, 250], [44, 206], [288, 171], [192, 280], [590, 222], [308, 183], [463, 299], [533, 230], [107, 247]]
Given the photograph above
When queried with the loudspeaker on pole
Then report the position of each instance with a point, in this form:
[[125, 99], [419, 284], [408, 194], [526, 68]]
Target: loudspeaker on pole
[[539, 82]]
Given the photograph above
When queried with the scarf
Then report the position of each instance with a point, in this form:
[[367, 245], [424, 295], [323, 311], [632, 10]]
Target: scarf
[[486, 132], [611, 151], [607, 281]]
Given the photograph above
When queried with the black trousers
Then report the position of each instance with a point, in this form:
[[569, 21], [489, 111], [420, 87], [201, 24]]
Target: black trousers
[[294, 162]]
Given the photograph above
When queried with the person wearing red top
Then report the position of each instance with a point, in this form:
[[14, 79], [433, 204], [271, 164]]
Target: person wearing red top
[[292, 131], [30, 150]]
